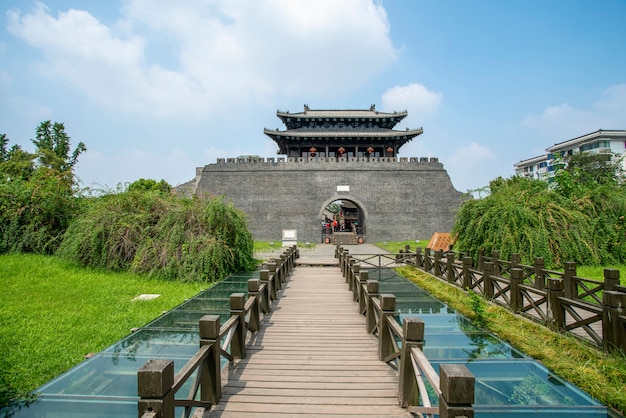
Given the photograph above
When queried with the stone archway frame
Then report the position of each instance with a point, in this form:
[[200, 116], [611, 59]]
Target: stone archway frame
[[354, 200]]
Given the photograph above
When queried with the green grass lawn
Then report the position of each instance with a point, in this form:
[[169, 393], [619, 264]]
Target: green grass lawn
[[52, 313], [395, 247], [597, 273]]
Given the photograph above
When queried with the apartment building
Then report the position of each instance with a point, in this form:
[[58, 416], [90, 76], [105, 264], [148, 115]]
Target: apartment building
[[598, 142]]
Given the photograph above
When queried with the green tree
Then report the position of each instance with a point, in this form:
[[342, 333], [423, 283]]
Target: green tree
[[37, 191], [150, 185], [53, 147]]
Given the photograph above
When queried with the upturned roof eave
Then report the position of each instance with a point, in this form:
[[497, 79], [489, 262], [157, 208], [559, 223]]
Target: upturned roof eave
[[346, 114], [343, 133]]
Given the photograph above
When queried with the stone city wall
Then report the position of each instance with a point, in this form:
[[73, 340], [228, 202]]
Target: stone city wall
[[405, 198]]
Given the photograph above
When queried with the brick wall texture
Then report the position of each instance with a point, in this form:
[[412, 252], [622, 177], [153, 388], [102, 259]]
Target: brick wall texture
[[401, 199]]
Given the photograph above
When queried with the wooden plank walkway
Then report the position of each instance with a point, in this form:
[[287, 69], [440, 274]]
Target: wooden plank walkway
[[311, 358]]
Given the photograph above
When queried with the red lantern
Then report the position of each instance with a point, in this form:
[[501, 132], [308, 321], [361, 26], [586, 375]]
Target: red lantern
[[370, 150], [390, 150], [341, 150], [312, 151]]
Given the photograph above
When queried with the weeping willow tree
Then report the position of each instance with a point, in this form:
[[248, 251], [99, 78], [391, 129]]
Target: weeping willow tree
[[530, 218], [162, 235]]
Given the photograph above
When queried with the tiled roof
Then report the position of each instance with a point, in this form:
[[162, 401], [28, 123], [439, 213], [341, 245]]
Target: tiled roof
[[346, 113], [441, 241], [342, 133]]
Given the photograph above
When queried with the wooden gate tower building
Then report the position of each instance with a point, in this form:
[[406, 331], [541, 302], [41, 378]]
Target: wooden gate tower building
[[344, 156]]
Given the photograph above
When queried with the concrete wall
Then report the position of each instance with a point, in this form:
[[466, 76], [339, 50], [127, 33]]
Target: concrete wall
[[403, 199]]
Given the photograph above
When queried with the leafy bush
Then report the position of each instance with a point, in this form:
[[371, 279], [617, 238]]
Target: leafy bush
[[37, 191], [528, 217], [159, 234]]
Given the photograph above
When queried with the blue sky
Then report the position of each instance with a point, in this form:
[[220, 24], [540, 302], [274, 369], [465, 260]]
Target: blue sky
[[156, 88]]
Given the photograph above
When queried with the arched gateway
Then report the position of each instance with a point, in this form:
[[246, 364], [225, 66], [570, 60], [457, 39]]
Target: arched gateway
[[337, 156]]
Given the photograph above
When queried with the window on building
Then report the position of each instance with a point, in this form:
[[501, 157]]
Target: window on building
[[595, 145]]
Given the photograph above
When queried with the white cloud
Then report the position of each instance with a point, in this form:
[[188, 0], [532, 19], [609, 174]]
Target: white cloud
[[564, 121], [95, 168], [414, 97], [29, 108], [223, 53], [472, 166]]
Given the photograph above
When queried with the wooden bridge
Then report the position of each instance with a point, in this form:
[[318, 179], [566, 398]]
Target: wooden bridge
[[313, 356], [328, 345]]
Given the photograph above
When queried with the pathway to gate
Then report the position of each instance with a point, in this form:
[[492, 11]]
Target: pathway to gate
[[312, 356]]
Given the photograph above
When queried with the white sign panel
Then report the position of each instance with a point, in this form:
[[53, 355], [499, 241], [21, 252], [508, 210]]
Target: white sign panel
[[343, 188]]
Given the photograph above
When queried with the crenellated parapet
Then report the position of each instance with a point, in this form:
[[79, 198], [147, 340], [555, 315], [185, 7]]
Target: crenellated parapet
[[316, 162]]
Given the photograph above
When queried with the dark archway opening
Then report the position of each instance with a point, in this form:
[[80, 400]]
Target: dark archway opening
[[343, 218]]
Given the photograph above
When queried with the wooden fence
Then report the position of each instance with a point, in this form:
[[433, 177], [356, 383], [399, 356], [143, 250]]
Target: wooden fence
[[157, 384], [590, 309], [401, 344]]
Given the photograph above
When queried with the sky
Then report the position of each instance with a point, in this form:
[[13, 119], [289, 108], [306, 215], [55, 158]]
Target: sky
[[156, 88]]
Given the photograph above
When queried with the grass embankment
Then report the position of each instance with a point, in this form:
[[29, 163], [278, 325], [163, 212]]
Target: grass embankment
[[597, 272], [395, 247], [601, 375], [53, 313]]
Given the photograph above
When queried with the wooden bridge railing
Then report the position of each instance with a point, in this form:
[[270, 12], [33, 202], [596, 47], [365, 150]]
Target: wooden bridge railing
[[402, 345], [589, 309], [157, 384]]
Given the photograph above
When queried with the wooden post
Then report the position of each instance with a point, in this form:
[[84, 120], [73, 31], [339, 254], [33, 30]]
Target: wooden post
[[450, 261], [370, 312], [457, 391], [286, 271], [419, 258], [517, 277], [255, 313], [412, 337], [515, 260], [350, 273], [611, 279], [540, 282], [555, 291], [571, 290], [495, 258], [278, 274], [237, 307], [363, 277], [487, 281], [385, 337], [274, 268], [264, 276], [211, 383], [427, 262], [612, 328], [354, 280], [438, 254], [154, 386], [467, 276]]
